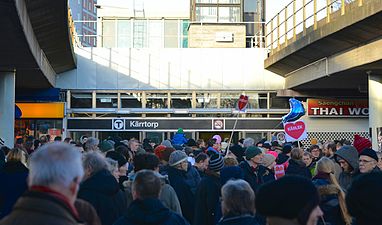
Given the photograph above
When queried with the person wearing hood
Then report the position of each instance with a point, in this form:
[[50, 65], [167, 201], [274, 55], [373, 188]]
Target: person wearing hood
[[167, 195], [101, 189], [347, 157], [147, 208], [290, 200], [297, 165], [208, 193], [177, 175], [368, 161], [179, 138]]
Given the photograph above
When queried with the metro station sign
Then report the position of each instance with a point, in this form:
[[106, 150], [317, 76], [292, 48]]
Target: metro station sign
[[338, 108]]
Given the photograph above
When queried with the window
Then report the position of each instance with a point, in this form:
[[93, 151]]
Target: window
[[81, 100], [181, 100], [278, 102], [124, 34], [229, 100], [155, 34], [207, 100], [108, 34], [229, 14], [106, 100], [257, 100], [139, 33], [170, 33], [131, 100], [156, 100]]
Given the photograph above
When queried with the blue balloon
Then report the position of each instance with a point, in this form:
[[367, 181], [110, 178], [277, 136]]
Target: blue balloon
[[295, 112]]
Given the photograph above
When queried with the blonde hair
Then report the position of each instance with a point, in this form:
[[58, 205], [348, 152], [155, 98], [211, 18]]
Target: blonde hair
[[326, 165], [17, 155]]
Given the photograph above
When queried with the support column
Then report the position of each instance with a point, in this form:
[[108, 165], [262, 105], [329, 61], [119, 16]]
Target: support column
[[375, 106], [7, 107]]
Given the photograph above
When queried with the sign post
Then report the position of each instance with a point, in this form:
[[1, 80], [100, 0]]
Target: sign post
[[241, 106]]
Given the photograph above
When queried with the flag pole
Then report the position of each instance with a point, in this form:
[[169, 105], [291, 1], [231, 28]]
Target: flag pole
[[233, 130]]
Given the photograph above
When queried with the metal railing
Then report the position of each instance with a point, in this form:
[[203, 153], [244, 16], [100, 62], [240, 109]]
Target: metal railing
[[144, 38], [298, 16]]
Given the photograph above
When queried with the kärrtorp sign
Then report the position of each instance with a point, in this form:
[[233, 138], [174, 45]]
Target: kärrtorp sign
[[338, 108], [171, 124]]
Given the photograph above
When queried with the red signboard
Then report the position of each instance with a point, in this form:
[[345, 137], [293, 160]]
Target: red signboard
[[338, 108]]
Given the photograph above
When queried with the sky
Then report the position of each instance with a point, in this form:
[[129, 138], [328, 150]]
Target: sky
[[273, 7]]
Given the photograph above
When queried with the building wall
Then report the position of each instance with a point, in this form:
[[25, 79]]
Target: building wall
[[191, 69], [207, 35]]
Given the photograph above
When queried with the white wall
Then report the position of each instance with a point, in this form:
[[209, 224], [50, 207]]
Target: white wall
[[170, 68]]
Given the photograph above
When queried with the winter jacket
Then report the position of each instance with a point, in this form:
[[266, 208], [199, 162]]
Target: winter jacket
[[39, 208], [255, 177], [239, 220], [193, 178], [87, 212], [350, 155], [103, 192], [298, 168], [178, 180], [328, 199], [150, 212], [179, 139], [13, 179], [167, 195], [207, 199], [269, 175]]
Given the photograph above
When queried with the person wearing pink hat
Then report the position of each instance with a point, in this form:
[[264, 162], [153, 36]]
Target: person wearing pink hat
[[218, 138]]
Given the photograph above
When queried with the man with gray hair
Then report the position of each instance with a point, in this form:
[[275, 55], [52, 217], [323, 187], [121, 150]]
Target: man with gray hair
[[101, 189], [238, 203], [55, 172], [91, 144]]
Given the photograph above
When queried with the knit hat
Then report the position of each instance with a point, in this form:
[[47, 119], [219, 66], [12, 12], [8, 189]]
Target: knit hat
[[251, 152], [158, 150], [268, 159], [105, 146], [167, 143], [117, 157], [298, 194], [267, 144], [364, 199], [230, 172], [216, 163], [274, 153], [180, 131], [218, 138], [177, 157], [370, 152], [360, 143]]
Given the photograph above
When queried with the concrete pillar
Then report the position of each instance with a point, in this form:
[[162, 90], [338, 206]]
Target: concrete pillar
[[375, 106], [7, 107]]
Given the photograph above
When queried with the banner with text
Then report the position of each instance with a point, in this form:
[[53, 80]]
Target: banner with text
[[338, 108], [295, 131]]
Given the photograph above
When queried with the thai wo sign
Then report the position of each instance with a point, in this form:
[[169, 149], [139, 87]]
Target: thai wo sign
[[338, 108]]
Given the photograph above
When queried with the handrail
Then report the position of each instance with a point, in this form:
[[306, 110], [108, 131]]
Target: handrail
[[278, 33]]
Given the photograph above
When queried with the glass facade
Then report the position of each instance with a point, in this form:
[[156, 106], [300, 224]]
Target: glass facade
[[81, 100], [157, 100], [222, 11], [38, 127], [145, 33]]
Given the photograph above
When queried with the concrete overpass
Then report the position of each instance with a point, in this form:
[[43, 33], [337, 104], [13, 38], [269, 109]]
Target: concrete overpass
[[333, 50], [36, 43]]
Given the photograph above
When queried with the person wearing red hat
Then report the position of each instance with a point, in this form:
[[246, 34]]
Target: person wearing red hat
[[360, 143]]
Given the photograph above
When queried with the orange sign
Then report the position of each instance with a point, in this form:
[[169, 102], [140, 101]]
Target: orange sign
[[41, 110]]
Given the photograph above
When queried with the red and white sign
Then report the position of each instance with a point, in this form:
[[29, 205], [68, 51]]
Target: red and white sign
[[242, 103], [295, 131], [338, 108]]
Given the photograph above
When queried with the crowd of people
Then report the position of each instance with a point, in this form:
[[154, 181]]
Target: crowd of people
[[184, 181]]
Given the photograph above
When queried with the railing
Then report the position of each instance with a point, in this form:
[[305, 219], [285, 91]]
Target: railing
[[132, 37], [297, 17]]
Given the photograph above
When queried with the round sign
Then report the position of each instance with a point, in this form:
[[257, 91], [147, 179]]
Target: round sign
[[118, 124]]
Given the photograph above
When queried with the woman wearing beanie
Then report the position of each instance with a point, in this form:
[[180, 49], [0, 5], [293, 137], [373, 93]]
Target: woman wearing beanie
[[299, 205], [208, 193], [332, 197]]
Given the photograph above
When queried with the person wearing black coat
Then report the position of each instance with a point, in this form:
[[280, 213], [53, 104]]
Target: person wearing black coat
[[208, 193], [297, 166], [13, 179], [147, 209], [177, 175], [101, 189]]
